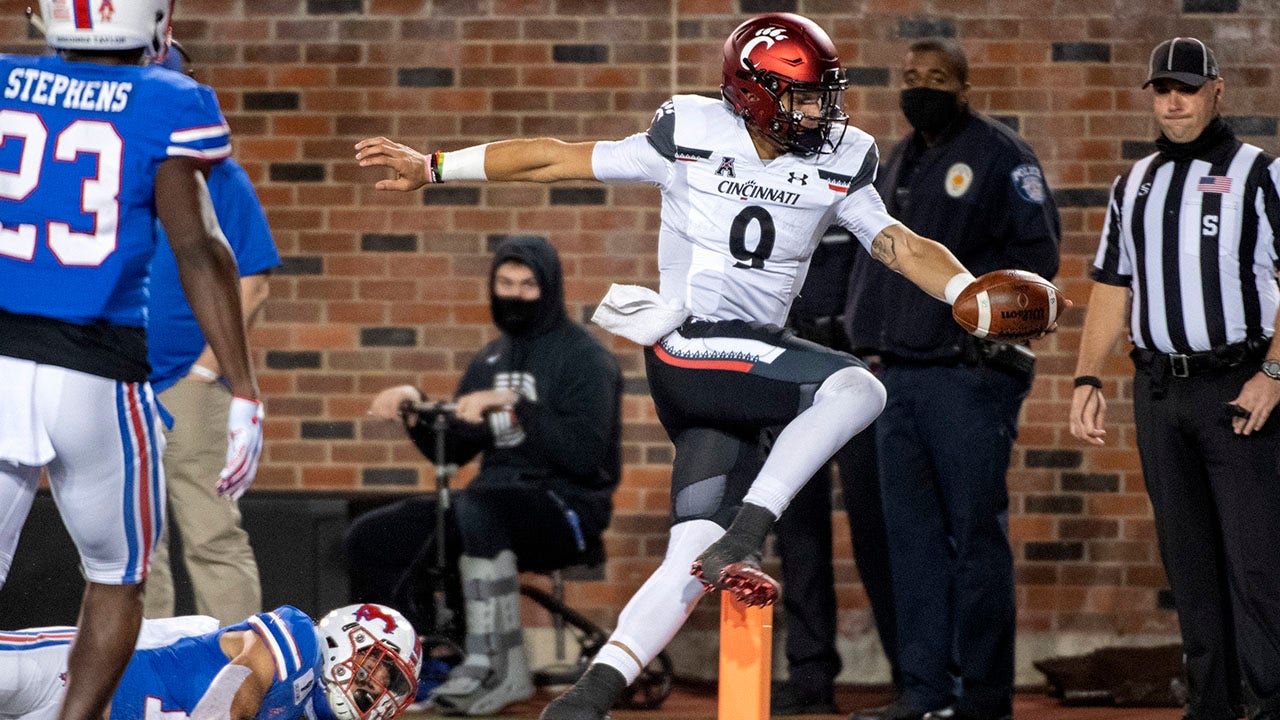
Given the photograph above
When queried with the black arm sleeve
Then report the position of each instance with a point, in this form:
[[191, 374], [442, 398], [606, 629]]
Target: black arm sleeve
[[1033, 227], [463, 441], [572, 432]]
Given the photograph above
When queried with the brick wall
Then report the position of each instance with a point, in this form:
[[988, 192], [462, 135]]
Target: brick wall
[[380, 289]]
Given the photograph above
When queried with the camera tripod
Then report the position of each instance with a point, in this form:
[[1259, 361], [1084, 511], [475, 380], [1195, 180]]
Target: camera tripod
[[646, 693]]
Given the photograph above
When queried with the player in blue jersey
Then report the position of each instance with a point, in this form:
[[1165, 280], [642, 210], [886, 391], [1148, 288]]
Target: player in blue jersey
[[361, 662], [95, 144]]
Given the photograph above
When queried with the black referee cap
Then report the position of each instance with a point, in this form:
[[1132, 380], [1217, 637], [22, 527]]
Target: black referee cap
[[1184, 59]]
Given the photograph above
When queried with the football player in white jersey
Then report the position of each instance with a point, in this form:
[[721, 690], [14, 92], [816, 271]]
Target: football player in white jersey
[[749, 183]]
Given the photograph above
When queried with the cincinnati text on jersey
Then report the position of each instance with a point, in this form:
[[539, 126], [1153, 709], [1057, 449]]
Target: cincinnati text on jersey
[[53, 89], [749, 190]]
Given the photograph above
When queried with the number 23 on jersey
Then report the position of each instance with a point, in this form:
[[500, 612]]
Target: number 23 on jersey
[[98, 195]]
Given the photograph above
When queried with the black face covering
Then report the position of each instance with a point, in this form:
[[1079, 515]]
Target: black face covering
[[513, 315], [1217, 133], [929, 110]]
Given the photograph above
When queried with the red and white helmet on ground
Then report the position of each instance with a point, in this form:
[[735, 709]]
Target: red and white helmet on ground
[[107, 24], [773, 64], [372, 657]]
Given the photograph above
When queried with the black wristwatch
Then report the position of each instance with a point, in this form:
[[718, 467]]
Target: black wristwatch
[[1271, 368]]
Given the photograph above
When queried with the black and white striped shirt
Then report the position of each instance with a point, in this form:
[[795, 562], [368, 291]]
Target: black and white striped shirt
[[1196, 241]]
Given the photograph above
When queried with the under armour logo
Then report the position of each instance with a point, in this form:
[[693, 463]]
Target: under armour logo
[[726, 167], [801, 178]]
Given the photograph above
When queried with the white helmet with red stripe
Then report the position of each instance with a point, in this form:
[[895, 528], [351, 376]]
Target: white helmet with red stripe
[[372, 657], [107, 24]]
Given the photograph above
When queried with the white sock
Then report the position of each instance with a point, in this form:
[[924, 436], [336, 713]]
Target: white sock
[[845, 404], [662, 604]]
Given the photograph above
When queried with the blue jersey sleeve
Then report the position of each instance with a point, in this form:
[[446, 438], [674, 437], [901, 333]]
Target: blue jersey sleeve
[[198, 128], [175, 340], [291, 637], [242, 219]]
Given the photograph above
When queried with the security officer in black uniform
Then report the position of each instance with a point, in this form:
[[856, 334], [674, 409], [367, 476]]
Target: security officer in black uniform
[[945, 437], [804, 530], [1204, 305]]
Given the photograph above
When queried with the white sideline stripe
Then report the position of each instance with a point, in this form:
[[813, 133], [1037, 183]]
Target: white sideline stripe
[[211, 154], [199, 133]]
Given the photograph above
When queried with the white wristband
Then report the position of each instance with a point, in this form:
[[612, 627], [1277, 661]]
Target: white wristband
[[956, 285], [464, 164], [205, 373]]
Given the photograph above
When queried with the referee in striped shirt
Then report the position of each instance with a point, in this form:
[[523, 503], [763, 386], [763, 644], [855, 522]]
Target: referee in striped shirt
[[1188, 259]]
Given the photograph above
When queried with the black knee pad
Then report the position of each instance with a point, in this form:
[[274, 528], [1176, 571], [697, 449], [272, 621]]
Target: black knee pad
[[711, 474]]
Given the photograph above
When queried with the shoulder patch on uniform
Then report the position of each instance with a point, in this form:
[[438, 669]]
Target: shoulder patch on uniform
[[959, 178], [662, 131], [1029, 182]]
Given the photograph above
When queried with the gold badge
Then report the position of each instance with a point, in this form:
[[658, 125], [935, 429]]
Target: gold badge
[[959, 178]]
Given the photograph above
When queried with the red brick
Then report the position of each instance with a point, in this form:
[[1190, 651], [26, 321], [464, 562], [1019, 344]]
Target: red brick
[[1073, 114]]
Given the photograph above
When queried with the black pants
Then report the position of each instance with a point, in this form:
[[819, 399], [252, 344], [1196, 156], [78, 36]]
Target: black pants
[[1216, 497], [387, 546], [804, 542], [943, 445]]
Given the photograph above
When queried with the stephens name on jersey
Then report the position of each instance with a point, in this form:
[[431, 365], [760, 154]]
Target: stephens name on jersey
[[42, 87], [83, 142]]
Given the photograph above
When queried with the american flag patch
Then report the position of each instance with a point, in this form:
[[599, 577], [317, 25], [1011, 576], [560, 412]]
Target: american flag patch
[[1220, 184]]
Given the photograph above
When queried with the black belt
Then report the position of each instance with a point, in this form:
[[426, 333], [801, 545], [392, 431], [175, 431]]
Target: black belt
[[1181, 365], [975, 352]]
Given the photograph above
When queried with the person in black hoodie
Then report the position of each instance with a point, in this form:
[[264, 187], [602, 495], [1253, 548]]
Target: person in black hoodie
[[542, 403]]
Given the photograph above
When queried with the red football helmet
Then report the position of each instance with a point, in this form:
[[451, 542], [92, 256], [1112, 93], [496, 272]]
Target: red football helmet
[[774, 66]]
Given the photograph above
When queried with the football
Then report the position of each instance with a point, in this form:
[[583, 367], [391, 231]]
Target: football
[[1007, 305]]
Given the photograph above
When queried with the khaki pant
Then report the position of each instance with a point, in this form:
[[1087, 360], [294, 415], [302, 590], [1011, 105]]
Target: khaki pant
[[224, 574]]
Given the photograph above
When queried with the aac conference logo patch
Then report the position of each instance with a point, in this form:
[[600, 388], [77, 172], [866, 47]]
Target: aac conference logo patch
[[1029, 183], [959, 178]]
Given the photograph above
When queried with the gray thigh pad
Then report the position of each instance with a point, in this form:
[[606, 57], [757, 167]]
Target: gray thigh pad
[[712, 472]]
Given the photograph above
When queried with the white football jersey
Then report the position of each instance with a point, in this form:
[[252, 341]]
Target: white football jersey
[[738, 232]]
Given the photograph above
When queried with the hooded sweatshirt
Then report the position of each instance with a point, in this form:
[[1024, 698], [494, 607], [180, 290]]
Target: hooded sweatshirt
[[566, 430]]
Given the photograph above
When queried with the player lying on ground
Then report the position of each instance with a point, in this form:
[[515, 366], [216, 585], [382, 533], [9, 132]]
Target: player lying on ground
[[361, 662]]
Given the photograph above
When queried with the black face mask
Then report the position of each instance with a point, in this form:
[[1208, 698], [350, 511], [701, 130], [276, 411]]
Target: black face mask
[[513, 315], [929, 110]]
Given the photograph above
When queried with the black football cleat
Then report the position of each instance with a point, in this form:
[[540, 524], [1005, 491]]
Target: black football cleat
[[590, 698], [731, 563]]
